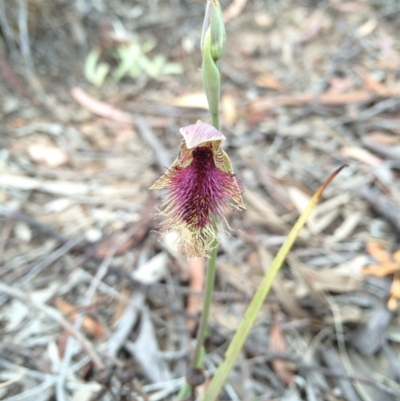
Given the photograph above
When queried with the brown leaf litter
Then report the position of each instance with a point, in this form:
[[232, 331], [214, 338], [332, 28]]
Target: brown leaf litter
[[94, 306]]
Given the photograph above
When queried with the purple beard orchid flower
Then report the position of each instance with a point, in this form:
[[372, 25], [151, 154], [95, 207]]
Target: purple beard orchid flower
[[201, 184]]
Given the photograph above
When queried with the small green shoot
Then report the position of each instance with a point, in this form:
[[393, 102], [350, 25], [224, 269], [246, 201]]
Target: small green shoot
[[132, 61], [128, 56], [95, 71]]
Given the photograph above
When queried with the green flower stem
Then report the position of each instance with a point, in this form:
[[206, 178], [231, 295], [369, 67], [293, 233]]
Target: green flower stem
[[202, 331], [210, 279], [185, 391], [215, 123]]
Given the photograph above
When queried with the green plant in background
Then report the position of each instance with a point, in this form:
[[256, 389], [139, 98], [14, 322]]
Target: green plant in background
[[132, 61], [95, 71], [129, 59]]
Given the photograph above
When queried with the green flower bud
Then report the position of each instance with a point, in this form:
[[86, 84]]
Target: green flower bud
[[214, 22], [211, 77]]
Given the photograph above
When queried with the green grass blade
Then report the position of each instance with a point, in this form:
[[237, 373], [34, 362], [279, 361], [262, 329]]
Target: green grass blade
[[256, 303]]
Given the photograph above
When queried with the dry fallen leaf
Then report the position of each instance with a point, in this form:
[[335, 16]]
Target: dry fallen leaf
[[367, 28], [372, 85], [382, 270], [23, 232], [47, 154], [153, 271], [234, 10], [196, 100], [340, 85], [389, 57], [377, 249], [277, 343], [89, 324], [312, 26], [264, 20], [389, 264], [146, 352], [196, 284], [343, 278], [361, 155], [350, 6], [394, 299], [383, 138], [123, 241], [224, 317], [262, 206], [268, 81], [347, 227], [229, 109], [299, 99], [99, 108]]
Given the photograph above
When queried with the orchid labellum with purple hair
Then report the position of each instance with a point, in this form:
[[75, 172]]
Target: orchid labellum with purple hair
[[201, 184]]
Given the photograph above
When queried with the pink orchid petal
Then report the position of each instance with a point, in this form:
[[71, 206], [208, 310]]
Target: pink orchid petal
[[199, 133]]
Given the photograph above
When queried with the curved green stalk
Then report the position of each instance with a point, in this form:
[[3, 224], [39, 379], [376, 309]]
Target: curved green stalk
[[256, 303]]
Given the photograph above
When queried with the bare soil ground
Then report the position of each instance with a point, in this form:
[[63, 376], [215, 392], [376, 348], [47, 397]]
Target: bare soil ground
[[94, 306]]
